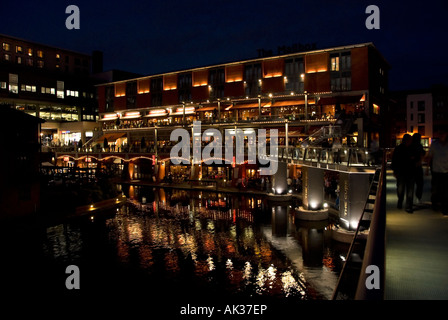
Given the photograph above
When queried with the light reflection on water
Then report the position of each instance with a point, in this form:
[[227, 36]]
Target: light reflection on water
[[213, 240]]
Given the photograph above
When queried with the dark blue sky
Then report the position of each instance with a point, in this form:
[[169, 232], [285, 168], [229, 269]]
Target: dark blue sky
[[150, 37]]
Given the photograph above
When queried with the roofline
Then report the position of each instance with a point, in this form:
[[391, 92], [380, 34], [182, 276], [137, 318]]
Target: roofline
[[247, 61], [44, 45]]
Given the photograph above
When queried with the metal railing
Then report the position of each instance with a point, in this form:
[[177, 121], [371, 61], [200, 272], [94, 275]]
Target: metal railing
[[374, 254], [374, 250]]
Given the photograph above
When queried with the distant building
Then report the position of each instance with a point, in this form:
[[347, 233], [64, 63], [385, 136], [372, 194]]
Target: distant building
[[51, 83], [423, 111], [19, 163]]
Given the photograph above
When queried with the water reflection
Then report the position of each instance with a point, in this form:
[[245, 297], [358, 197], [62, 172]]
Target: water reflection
[[238, 244]]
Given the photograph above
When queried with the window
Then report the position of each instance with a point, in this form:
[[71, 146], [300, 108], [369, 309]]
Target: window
[[47, 90], [421, 105], [60, 89], [335, 64], [294, 75], [341, 84], [58, 56], [19, 60], [40, 53], [3, 85], [72, 93], [340, 65], [253, 79], [13, 83], [29, 62], [7, 57], [40, 64], [30, 52], [19, 49], [376, 109], [6, 46], [412, 117], [29, 88], [421, 118]]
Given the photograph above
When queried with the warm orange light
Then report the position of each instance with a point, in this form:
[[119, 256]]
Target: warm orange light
[[273, 75]]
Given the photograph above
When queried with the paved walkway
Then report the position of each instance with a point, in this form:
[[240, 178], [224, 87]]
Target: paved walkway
[[416, 249]]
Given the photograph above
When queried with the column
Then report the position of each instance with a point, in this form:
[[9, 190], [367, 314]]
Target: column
[[313, 188], [279, 182], [353, 191], [313, 208]]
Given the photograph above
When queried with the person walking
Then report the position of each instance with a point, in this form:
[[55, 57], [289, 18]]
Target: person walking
[[419, 156], [403, 166], [438, 160]]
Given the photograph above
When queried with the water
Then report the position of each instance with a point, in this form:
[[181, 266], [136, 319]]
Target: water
[[181, 246]]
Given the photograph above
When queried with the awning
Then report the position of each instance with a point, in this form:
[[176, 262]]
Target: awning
[[249, 106], [157, 113], [180, 111], [286, 103], [131, 115], [208, 109], [109, 117], [340, 99], [111, 136]]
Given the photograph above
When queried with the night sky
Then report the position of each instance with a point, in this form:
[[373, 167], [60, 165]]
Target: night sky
[[150, 37]]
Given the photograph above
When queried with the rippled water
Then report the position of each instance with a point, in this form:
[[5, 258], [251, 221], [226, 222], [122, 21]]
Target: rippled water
[[199, 243], [179, 246]]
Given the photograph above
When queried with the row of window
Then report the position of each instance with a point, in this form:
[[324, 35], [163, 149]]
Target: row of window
[[19, 49], [14, 88]]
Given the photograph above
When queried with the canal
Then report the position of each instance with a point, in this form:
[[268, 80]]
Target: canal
[[178, 244]]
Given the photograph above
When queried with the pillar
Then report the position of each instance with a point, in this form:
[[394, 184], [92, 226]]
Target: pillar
[[353, 191], [312, 188], [279, 182]]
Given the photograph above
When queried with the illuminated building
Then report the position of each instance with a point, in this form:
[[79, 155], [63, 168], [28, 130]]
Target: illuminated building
[[421, 111], [51, 83], [296, 93]]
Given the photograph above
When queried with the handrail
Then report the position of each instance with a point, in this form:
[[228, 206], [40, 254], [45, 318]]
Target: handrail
[[352, 245], [374, 254]]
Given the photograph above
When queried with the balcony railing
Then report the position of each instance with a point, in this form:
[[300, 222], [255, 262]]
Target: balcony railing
[[315, 156], [141, 124]]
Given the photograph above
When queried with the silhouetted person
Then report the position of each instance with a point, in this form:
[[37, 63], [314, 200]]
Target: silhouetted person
[[419, 155], [403, 165], [438, 158]]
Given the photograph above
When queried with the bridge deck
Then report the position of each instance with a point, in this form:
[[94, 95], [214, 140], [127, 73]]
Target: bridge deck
[[416, 249]]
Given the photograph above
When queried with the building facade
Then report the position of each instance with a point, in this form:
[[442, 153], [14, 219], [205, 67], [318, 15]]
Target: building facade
[[51, 83], [422, 111], [297, 94]]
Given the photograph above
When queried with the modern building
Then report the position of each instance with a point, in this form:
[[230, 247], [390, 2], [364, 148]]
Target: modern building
[[296, 93], [421, 111], [53, 84]]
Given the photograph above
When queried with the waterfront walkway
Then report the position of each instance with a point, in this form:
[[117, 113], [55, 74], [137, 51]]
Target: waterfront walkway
[[416, 249]]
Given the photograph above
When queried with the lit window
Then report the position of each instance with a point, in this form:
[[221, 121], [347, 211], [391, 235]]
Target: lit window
[[376, 109], [40, 64], [58, 56], [335, 64], [30, 52], [19, 60], [6, 46], [7, 57], [2, 85], [40, 53], [19, 49]]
